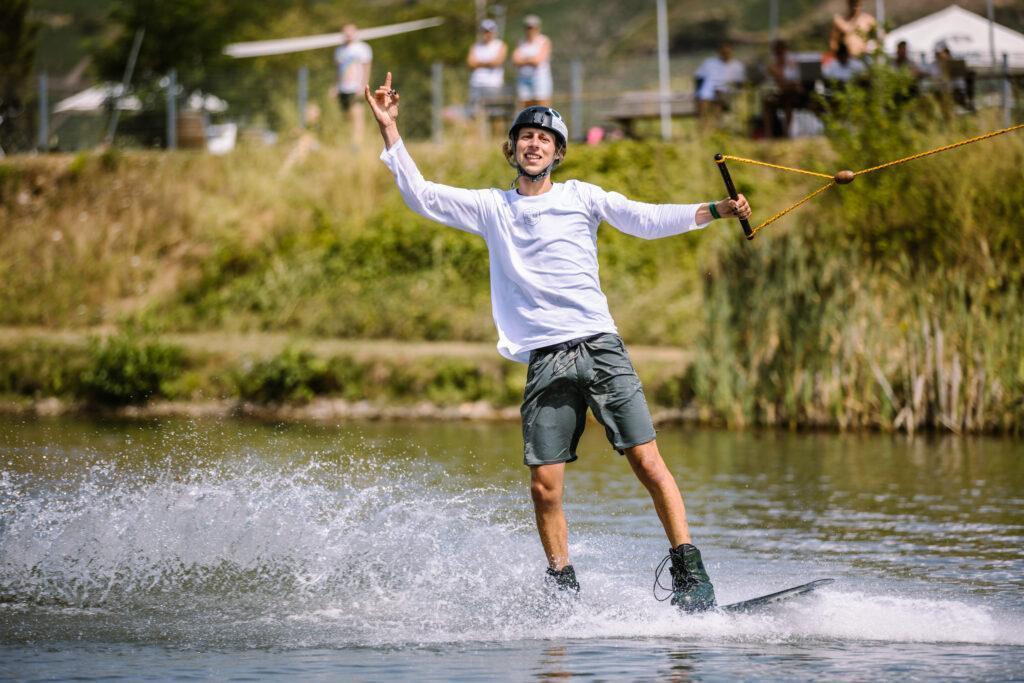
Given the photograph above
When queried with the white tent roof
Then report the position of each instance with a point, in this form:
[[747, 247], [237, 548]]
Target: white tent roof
[[263, 48], [93, 99], [966, 34]]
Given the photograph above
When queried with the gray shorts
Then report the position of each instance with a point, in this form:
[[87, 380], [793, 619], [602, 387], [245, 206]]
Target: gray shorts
[[562, 383]]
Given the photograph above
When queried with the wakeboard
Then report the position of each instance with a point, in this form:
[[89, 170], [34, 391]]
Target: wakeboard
[[754, 604]]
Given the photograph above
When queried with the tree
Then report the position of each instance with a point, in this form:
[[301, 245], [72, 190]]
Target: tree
[[17, 53], [186, 35]]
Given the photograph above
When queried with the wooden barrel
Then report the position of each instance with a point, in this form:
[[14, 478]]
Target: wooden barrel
[[191, 134]]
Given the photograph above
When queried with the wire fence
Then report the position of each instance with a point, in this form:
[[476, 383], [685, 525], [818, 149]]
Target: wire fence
[[619, 96]]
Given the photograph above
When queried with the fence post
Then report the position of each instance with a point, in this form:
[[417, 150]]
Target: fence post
[[576, 89], [663, 78], [1007, 92], [303, 95], [172, 109], [436, 100], [43, 143]]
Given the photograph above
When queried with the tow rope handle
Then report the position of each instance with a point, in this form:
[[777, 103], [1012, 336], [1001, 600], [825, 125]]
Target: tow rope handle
[[731, 189]]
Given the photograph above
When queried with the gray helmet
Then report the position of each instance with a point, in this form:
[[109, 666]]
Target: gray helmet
[[544, 118]]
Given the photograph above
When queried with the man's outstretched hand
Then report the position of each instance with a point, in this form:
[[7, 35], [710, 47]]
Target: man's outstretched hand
[[384, 105]]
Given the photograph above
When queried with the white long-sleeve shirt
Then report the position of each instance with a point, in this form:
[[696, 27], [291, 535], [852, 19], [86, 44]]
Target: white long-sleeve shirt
[[543, 249]]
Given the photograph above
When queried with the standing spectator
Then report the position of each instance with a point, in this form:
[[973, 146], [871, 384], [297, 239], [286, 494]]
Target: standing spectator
[[487, 61], [716, 77], [353, 58], [856, 29], [788, 93], [532, 58]]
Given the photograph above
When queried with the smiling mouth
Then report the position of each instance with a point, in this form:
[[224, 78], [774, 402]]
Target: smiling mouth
[[532, 157]]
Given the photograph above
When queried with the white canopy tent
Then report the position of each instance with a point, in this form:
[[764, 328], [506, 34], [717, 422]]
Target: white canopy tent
[[263, 48], [965, 33], [94, 98]]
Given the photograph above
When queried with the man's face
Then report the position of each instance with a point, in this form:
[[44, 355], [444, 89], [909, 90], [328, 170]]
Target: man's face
[[725, 52], [350, 31], [535, 149], [854, 6]]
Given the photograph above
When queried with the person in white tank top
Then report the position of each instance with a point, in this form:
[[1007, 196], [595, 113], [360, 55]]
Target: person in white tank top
[[532, 58], [487, 61]]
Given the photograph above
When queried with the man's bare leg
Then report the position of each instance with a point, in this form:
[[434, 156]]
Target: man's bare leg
[[546, 486], [652, 472], [691, 588]]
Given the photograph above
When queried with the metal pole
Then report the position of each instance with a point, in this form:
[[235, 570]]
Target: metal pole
[[576, 113], [43, 143], [436, 100], [125, 82], [303, 95], [992, 32], [773, 19], [1007, 91], [880, 13], [663, 82], [172, 109]]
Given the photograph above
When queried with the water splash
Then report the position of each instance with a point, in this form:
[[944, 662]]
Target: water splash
[[360, 552]]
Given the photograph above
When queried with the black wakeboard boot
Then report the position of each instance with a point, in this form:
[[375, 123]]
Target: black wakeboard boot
[[563, 579], [691, 587]]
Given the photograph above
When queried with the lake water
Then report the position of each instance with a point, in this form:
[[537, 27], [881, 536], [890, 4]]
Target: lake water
[[233, 550]]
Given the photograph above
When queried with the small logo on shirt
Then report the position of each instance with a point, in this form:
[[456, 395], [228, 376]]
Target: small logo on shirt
[[531, 218]]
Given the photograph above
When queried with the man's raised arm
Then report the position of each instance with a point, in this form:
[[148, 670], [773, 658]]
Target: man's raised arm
[[453, 206], [384, 105]]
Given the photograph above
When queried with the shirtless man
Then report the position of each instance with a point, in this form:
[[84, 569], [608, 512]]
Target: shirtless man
[[550, 312], [857, 29]]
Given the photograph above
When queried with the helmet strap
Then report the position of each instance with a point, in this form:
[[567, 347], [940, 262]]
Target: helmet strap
[[534, 177]]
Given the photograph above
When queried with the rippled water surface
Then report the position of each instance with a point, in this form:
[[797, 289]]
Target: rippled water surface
[[225, 550]]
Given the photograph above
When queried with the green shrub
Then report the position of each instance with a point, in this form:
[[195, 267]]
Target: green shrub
[[291, 376], [123, 370], [35, 369]]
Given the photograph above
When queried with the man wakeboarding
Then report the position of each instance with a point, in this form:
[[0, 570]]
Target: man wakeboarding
[[550, 312]]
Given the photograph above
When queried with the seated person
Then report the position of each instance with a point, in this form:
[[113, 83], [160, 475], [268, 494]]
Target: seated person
[[903, 61], [842, 68], [787, 93], [716, 77], [951, 78]]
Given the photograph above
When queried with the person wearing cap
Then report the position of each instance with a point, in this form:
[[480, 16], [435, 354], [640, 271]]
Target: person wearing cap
[[487, 60], [532, 59], [352, 59], [550, 312]]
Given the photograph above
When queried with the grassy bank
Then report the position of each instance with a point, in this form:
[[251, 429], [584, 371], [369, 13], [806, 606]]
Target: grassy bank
[[892, 303], [108, 372]]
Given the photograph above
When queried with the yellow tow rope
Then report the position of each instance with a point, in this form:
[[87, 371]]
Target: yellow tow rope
[[844, 177]]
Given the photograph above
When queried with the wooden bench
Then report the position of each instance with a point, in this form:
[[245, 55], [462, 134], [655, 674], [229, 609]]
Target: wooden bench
[[646, 105]]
